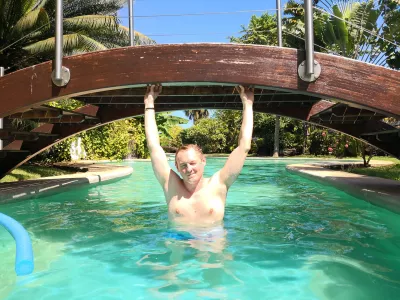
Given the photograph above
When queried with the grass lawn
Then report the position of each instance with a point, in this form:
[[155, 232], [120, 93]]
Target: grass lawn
[[33, 172], [388, 172]]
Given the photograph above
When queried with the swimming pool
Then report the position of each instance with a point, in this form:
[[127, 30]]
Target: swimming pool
[[285, 237]]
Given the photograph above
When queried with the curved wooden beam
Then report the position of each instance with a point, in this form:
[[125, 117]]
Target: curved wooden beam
[[55, 133], [350, 81]]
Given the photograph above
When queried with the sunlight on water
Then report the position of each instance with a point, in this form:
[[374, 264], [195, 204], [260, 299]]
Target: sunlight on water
[[283, 237]]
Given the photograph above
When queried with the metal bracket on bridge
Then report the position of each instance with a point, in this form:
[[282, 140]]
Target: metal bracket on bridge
[[309, 77], [60, 75], [63, 79]]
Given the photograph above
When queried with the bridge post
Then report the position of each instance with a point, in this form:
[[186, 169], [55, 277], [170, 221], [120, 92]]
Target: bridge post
[[280, 44], [309, 70], [61, 74], [1, 119], [131, 24], [279, 21]]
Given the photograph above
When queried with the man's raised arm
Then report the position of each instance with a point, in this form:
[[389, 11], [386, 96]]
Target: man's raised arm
[[234, 164], [159, 160]]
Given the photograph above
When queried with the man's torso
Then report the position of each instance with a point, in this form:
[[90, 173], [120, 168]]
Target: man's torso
[[205, 206]]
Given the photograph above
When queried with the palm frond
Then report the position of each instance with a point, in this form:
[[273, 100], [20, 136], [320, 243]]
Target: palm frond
[[29, 22], [141, 39], [41, 4], [91, 22], [92, 7], [341, 30], [72, 42], [12, 11]]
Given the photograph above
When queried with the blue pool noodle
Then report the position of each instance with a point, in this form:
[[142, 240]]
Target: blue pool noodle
[[24, 256]]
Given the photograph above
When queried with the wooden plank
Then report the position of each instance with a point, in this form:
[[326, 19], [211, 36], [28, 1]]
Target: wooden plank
[[44, 128], [63, 119], [14, 145], [319, 108], [6, 134], [88, 110], [394, 131], [37, 114]]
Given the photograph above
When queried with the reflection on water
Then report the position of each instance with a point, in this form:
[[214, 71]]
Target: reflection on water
[[282, 236]]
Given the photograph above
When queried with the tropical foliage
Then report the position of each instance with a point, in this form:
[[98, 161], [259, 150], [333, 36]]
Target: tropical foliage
[[118, 140], [197, 114], [363, 30], [210, 134], [27, 29]]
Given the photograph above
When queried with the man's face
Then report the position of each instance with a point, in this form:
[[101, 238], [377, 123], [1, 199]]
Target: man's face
[[190, 165]]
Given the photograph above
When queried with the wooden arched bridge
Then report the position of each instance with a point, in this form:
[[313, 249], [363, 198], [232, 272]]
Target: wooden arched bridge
[[349, 96]]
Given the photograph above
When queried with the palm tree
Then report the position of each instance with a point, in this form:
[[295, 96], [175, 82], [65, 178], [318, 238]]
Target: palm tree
[[27, 29], [197, 114]]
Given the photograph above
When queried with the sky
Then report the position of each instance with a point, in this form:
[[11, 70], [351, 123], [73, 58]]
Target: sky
[[214, 28]]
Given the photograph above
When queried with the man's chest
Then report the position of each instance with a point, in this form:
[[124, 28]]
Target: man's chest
[[204, 204]]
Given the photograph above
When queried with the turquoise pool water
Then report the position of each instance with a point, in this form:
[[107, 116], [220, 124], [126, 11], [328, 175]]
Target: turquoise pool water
[[285, 238]]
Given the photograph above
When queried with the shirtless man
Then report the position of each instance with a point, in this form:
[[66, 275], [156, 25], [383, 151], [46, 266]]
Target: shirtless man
[[191, 198]]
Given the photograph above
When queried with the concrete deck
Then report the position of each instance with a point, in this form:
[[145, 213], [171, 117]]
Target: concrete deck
[[378, 191], [87, 173]]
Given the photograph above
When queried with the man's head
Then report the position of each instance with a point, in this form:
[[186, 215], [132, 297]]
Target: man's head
[[190, 162]]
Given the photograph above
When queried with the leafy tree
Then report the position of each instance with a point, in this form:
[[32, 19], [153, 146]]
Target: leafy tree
[[166, 121], [174, 141], [27, 29], [390, 12], [118, 140], [210, 134], [260, 31], [197, 114], [232, 120]]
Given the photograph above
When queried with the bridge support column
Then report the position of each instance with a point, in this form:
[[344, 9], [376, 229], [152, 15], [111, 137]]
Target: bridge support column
[[61, 74], [280, 44], [309, 70], [131, 24]]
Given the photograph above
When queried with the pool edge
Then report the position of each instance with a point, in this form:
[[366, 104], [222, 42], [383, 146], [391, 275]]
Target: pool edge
[[29, 189], [381, 192]]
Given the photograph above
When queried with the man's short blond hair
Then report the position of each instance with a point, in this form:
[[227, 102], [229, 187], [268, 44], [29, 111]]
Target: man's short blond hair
[[187, 147]]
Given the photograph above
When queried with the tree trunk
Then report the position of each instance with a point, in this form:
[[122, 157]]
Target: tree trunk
[[276, 137], [305, 142]]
